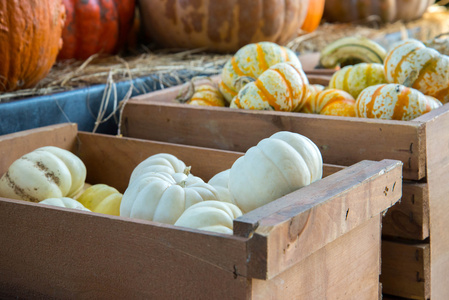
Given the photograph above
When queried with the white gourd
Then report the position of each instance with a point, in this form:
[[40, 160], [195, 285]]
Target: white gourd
[[278, 165], [64, 202], [216, 216], [220, 182], [161, 162]]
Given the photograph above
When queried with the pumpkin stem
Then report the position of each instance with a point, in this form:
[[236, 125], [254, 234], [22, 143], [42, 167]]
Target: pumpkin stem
[[187, 170], [183, 183], [240, 82], [411, 78], [186, 94]]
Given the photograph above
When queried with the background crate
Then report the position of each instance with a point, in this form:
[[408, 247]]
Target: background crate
[[421, 144], [321, 240]]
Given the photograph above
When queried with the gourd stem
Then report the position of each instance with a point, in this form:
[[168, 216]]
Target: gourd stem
[[187, 170], [240, 82]]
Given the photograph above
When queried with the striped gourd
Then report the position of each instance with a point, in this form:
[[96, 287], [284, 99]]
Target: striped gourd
[[355, 78], [207, 95], [252, 60], [392, 102], [283, 87], [332, 102], [309, 104], [410, 62]]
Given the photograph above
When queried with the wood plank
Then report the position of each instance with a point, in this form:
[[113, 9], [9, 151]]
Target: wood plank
[[406, 269], [304, 221], [111, 159], [409, 218], [61, 253], [342, 140], [14, 145], [347, 268], [437, 179]]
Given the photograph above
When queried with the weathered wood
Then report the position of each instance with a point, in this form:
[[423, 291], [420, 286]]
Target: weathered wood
[[342, 140], [409, 218], [354, 275], [68, 254], [304, 221], [438, 179], [23, 142], [406, 270]]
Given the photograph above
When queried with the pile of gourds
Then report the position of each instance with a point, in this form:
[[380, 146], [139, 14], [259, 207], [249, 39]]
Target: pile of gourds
[[162, 188], [404, 83]]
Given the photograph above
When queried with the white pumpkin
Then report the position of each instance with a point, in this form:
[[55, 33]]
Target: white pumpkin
[[216, 216], [220, 182], [161, 162], [47, 172], [64, 202], [163, 197], [278, 165]]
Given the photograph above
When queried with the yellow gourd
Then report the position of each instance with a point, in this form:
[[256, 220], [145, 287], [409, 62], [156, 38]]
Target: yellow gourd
[[102, 198]]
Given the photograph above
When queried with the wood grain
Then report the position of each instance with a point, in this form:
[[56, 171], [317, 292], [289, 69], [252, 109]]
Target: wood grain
[[304, 221], [406, 269], [347, 268], [342, 140], [409, 218]]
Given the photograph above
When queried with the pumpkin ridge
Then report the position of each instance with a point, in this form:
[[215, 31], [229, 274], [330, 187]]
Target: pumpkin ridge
[[261, 58], [236, 68], [370, 104], [288, 84], [401, 104], [425, 70], [265, 95]]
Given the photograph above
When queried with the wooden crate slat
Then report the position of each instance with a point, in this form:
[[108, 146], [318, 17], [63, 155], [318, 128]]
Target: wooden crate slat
[[409, 218], [304, 221], [58, 252], [238, 130], [406, 269], [347, 268]]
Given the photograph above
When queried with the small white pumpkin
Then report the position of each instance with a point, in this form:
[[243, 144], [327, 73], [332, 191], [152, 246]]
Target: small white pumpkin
[[46, 172], [163, 197], [278, 165], [220, 182], [161, 162], [216, 216], [64, 202]]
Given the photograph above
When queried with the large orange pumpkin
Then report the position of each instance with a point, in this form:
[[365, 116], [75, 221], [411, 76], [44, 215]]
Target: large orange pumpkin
[[96, 26], [30, 39], [386, 11], [222, 25]]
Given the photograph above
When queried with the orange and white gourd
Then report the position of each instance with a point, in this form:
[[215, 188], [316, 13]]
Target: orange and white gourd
[[216, 216], [251, 61], [276, 166], [392, 102], [283, 87], [47, 172], [355, 78], [207, 95], [411, 63], [331, 102], [163, 197]]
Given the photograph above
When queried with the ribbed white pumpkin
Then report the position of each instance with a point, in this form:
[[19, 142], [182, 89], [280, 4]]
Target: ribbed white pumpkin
[[252, 60], [216, 216], [47, 172], [283, 87], [392, 102], [64, 202], [220, 182], [278, 165], [163, 197], [161, 162]]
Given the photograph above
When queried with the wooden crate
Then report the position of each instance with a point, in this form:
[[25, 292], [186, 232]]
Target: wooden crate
[[421, 144], [322, 241]]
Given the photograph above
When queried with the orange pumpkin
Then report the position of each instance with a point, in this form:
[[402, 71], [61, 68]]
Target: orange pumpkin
[[331, 102], [96, 26], [221, 25], [30, 39], [314, 14], [411, 63], [386, 11]]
